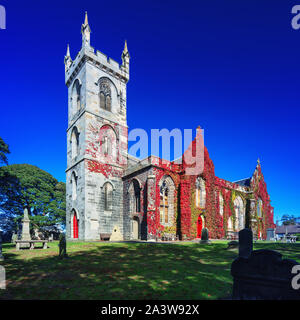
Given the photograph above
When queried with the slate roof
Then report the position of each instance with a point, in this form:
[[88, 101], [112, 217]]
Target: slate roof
[[289, 229], [243, 182]]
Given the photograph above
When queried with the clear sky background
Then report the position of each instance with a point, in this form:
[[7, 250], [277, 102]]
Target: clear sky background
[[230, 66]]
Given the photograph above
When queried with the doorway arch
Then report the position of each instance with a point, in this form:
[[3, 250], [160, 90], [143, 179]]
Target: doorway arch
[[75, 223], [200, 225], [135, 228]]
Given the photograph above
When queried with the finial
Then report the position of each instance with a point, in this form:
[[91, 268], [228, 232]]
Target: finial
[[68, 51], [86, 19], [85, 30], [125, 47], [258, 161]]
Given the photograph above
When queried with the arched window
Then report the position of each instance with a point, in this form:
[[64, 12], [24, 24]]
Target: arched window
[[259, 207], [74, 142], [164, 204], [102, 100], [108, 142], [108, 196], [74, 186], [239, 213], [76, 96], [105, 94], [229, 224], [200, 193], [106, 146], [221, 204], [134, 191]]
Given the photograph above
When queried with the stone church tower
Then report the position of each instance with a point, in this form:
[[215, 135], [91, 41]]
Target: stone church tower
[[97, 140]]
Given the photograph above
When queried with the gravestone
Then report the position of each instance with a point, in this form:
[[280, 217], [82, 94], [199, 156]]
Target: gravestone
[[1, 255], [232, 245], [204, 236], [245, 243], [14, 237], [116, 234], [51, 237], [25, 230], [36, 234], [62, 247], [264, 275]]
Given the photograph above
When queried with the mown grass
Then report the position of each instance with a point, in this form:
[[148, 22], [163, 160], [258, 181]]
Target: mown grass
[[101, 270]]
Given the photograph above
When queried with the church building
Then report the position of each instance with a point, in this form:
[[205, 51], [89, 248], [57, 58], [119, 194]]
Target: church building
[[111, 193]]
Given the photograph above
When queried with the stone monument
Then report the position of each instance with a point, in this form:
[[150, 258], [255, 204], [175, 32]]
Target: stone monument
[[245, 243], [116, 234], [14, 237], [204, 236], [25, 230], [62, 247], [264, 275]]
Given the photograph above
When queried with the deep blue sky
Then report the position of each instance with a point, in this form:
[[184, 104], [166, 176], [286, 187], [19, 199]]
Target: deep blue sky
[[231, 66]]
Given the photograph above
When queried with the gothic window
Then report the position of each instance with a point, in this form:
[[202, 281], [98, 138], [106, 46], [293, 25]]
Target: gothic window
[[105, 95], [74, 186], [76, 96], [239, 214], [200, 193], [134, 191], [259, 207], [74, 142], [108, 193], [102, 100], [221, 204], [166, 206], [229, 224], [106, 146]]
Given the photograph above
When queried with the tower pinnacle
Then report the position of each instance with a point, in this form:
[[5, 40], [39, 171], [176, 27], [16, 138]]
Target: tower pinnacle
[[125, 57], [86, 32], [68, 61]]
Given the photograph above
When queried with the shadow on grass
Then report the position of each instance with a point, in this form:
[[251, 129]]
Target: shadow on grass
[[120, 271]]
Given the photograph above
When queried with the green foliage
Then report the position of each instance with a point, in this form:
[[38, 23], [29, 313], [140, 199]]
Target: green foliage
[[4, 150], [24, 185], [288, 220]]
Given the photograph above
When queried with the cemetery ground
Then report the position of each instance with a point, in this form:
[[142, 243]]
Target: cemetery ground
[[128, 270]]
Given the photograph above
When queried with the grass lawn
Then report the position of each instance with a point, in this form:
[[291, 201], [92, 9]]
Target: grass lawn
[[102, 270]]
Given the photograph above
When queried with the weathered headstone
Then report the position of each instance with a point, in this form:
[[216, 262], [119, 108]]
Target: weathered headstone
[[204, 236], [233, 245], [1, 255], [245, 243], [62, 247], [51, 237], [116, 234], [36, 234], [14, 237], [264, 275]]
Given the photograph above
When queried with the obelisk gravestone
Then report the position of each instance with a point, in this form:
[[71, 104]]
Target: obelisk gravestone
[[25, 229]]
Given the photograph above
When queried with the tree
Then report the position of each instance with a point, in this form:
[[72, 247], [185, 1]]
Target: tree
[[4, 150], [24, 185], [288, 220]]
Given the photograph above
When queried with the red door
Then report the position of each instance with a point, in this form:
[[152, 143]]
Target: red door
[[199, 227], [75, 227]]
